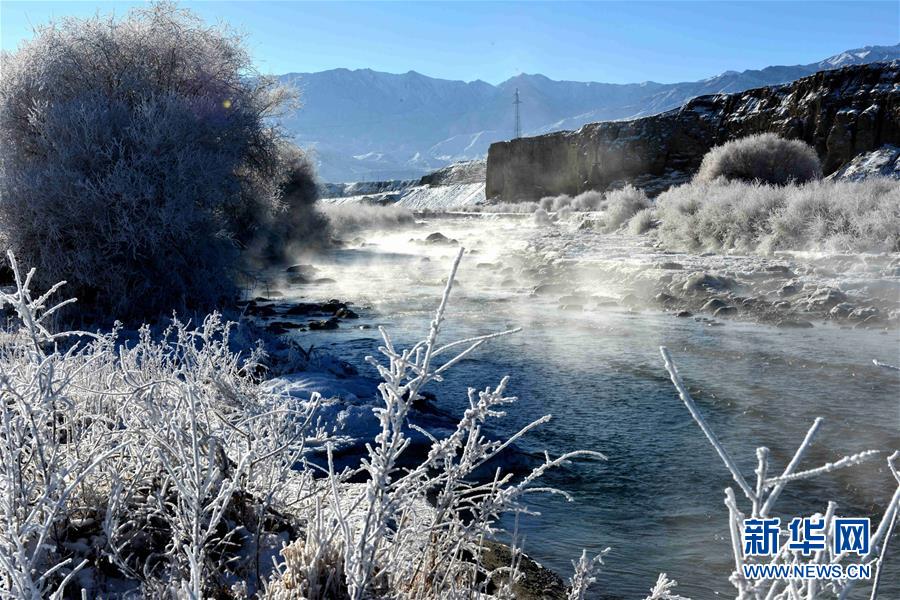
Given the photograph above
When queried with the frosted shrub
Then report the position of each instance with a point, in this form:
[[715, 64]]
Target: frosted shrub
[[820, 215], [554, 203], [137, 158], [152, 452], [764, 157], [587, 201], [162, 467], [839, 216], [541, 218], [37, 482], [585, 574], [662, 590], [618, 206], [718, 215], [621, 205], [643, 221], [564, 213]]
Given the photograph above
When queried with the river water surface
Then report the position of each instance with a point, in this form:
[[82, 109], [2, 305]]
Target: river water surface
[[593, 364]]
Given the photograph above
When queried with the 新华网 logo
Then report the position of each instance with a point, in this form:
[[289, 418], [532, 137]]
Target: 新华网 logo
[[807, 537]]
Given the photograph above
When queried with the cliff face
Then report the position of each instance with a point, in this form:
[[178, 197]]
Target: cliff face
[[840, 113]]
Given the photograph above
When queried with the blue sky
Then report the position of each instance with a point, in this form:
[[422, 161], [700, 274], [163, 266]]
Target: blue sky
[[598, 41]]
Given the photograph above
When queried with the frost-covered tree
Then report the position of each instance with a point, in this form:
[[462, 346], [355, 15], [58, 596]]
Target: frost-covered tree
[[138, 158]]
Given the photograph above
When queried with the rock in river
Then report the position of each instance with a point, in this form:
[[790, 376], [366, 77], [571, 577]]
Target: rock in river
[[331, 323]]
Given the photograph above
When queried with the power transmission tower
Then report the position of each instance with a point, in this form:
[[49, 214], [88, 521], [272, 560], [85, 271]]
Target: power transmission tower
[[517, 102]]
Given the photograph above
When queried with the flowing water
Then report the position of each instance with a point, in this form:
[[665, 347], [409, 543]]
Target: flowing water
[[657, 501]]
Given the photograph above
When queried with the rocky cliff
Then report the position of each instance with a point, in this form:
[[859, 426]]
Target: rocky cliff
[[841, 113]]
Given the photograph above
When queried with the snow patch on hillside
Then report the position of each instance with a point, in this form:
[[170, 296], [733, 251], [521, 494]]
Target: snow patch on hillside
[[437, 198], [362, 188], [443, 198]]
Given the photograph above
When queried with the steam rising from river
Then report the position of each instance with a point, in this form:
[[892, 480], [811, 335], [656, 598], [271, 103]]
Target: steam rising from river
[[589, 356], [347, 219]]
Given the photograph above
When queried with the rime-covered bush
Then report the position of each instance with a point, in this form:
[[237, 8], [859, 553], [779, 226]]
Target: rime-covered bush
[[138, 158], [587, 201], [563, 213], [136, 460], [551, 203], [839, 216], [643, 221], [156, 464], [717, 215], [764, 157], [621, 205], [617, 206], [541, 218], [820, 215]]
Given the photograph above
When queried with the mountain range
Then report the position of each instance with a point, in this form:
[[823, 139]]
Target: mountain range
[[364, 125]]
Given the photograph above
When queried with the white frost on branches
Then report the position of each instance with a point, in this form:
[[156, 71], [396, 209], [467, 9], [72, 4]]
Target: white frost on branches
[[762, 498], [165, 464], [663, 589]]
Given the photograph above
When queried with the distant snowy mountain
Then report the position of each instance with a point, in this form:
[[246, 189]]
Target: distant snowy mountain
[[860, 56], [365, 125]]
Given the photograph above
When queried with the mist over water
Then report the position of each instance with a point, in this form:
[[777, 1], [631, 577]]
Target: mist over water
[[595, 366]]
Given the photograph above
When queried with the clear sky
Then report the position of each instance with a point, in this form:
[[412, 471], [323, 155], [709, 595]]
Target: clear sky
[[612, 42]]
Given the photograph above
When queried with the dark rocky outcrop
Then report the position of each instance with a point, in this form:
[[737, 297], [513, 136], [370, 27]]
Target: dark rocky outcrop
[[841, 113], [536, 581]]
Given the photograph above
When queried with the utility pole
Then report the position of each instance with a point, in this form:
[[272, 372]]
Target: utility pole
[[517, 102]]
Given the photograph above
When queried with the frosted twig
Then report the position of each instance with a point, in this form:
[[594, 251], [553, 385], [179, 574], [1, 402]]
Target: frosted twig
[[663, 589], [876, 580], [692, 408], [585, 574], [884, 365], [791, 467], [779, 589], [847, 461]]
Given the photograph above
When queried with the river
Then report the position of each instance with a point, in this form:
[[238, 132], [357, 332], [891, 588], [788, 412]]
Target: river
[[594, 364]]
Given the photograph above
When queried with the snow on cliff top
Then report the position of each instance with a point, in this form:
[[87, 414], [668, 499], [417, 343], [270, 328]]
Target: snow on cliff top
[[883, 162]]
